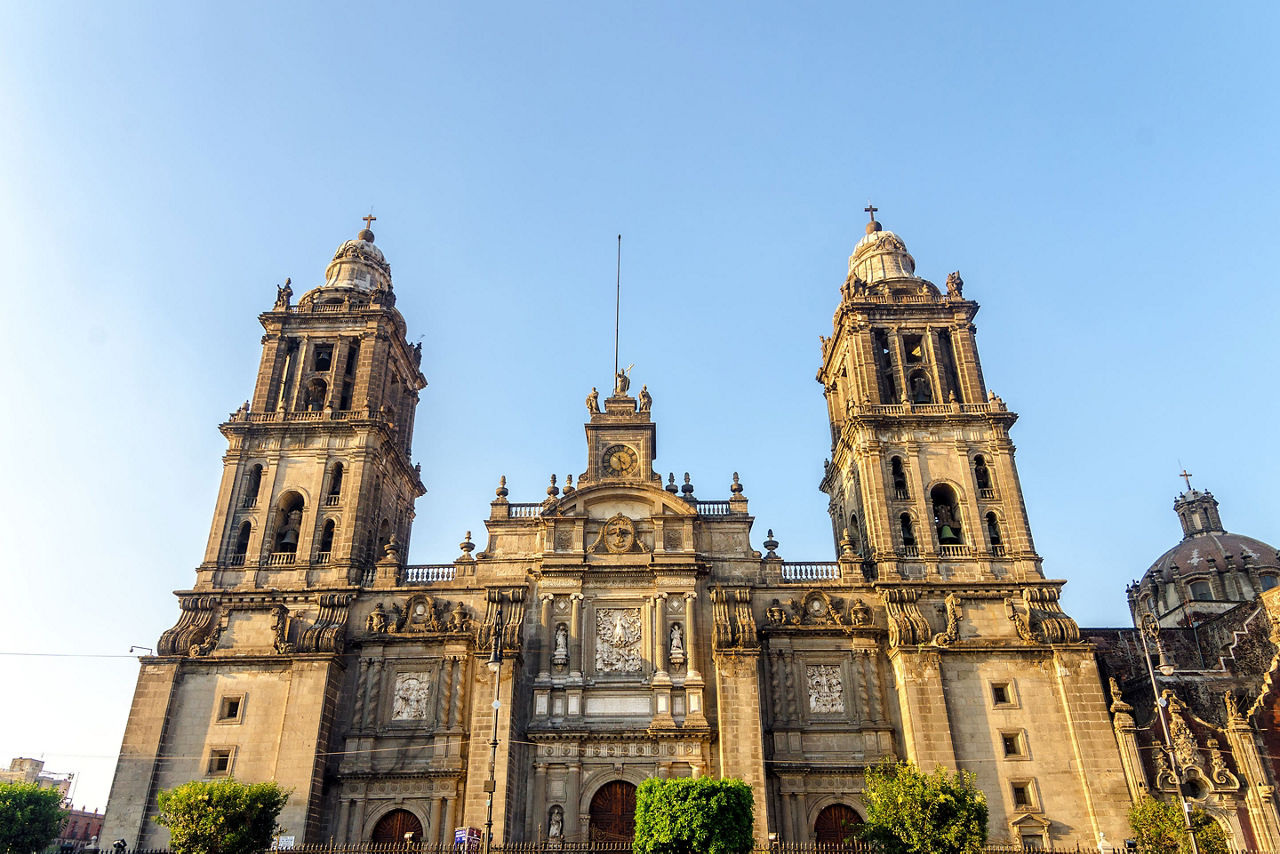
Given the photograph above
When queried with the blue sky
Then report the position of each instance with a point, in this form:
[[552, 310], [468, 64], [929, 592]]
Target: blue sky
[[1103, 175]]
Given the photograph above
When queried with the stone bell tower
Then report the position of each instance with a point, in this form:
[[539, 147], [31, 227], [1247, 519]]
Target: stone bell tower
[[921, 476], [317, 481]]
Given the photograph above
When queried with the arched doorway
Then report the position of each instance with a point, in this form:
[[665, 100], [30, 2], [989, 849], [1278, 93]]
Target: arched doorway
[[836, 825], [392, 827], [613, 812]]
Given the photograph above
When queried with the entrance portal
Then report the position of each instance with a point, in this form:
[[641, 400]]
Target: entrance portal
[[392, 827], [836, 825], [613, 812]]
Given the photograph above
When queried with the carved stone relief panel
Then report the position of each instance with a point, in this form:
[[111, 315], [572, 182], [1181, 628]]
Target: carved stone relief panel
[[618, 640], [826, 689], [410, 699]]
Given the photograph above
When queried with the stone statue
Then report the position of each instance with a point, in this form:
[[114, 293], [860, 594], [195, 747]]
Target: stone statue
[[619, 631], [955, 285], [284, 294], [593, 401], [557, 823], [377, 621], [677, 639], [561, 653], [646, 400], [622, 382]]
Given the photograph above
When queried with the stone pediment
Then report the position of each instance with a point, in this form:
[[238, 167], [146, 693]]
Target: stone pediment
[[633, 500]]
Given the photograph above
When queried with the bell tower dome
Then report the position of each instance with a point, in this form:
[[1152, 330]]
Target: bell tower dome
[[317, 482], [921, 473]]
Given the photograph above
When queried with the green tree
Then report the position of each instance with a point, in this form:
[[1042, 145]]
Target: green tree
[[30, 817], [693, 816], [1158, 828], [911, 812], [223, 817]]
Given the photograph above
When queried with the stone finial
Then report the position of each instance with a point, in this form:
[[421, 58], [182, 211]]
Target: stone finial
[[502, 491], [467, 547], [553, 490], [846, 544], [771, 546], [736, 487], [687, 489], [568, 484], [671, 483], [391, 551]]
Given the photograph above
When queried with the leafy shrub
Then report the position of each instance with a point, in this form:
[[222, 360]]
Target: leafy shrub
[[693, 816]]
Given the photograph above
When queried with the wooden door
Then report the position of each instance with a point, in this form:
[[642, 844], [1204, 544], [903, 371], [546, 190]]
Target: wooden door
[[613, 813], [392, 827], [836, 825]]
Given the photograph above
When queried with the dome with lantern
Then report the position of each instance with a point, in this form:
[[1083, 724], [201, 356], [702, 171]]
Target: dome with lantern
[[1210, 571], [880, 263], [359, 264]]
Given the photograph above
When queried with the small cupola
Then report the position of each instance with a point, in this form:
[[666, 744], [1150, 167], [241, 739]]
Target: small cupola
[[880, 255], [359, 265], [1198, 512]]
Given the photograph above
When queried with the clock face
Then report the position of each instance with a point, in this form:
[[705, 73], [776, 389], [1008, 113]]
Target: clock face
[[620, 460]]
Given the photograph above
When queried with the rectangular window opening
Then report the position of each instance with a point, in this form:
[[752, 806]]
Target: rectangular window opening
[[1001, 694], [230, 707], [1022, 795], [220, 761], [324, 357], [913, 347], [1013, 744]]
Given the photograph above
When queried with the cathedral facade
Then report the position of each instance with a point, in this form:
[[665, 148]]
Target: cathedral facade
[[621, 627]]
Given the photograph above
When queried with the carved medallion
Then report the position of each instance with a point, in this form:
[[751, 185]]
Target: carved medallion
[[618, 640], [411, 694], [617, 536]]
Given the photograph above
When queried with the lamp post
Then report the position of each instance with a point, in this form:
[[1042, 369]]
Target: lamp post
[[495, 665], [1149, 626]]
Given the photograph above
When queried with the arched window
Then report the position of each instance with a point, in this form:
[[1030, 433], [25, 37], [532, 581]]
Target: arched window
[[288, 525], [836, 825], [919, 387], [899, 478], [397, 827], [252, 484], [314, 398], [326, 537], [982, 476], [242, 544], [908, 531], [335, 485], [1267, 581], [993, 530], [384, 537], [1200, 590], [853, 533], [946, 515]]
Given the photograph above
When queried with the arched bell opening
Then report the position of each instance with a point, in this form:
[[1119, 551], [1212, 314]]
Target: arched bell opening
[[288, 522], [314, 396], [252, 485], [920, 389], [993, 530], [899, 475], [908, 530], [242, 542], [946, 515]]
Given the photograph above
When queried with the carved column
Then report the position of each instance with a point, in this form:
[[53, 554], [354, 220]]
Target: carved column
[[451, 819], [1127, 740], [434, 820], [691, 634], [361, 689], [1259, 794], [459, 689], [573, 803], [548, 638], [660, 632], [540, 802], [375, 688], [446, 691], [575, 636]]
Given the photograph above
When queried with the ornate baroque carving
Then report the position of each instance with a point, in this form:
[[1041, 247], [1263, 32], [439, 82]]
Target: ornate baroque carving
[[826, 689], [907, 626], [196, 625], [952, 633], [328, 633], [618, 640], [1047, 616], [617, 536], [412, 691]]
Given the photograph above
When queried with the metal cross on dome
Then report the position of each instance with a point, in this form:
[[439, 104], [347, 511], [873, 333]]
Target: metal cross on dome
[[1186, 475], [871, 209], [368, 220]]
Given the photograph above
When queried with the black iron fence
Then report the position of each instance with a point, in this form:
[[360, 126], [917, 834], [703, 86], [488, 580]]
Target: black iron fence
[[625, 848]]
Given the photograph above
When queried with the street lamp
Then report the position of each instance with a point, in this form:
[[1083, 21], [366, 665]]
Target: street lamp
[[1149, 626], [495, 665]]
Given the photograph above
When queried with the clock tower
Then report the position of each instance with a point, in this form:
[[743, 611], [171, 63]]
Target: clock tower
[[622, 439]]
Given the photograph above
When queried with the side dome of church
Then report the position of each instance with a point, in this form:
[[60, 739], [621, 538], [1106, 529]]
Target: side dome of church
[[1208, 572]]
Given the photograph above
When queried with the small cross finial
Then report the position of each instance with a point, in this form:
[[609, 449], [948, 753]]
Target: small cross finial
[[1186, 475], [871, 209], [369, 220]]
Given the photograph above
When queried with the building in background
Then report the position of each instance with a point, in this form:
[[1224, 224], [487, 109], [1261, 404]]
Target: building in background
[[619, 626], [26, 770]]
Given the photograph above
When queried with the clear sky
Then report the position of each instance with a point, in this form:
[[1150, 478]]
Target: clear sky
[[1103, 175]]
